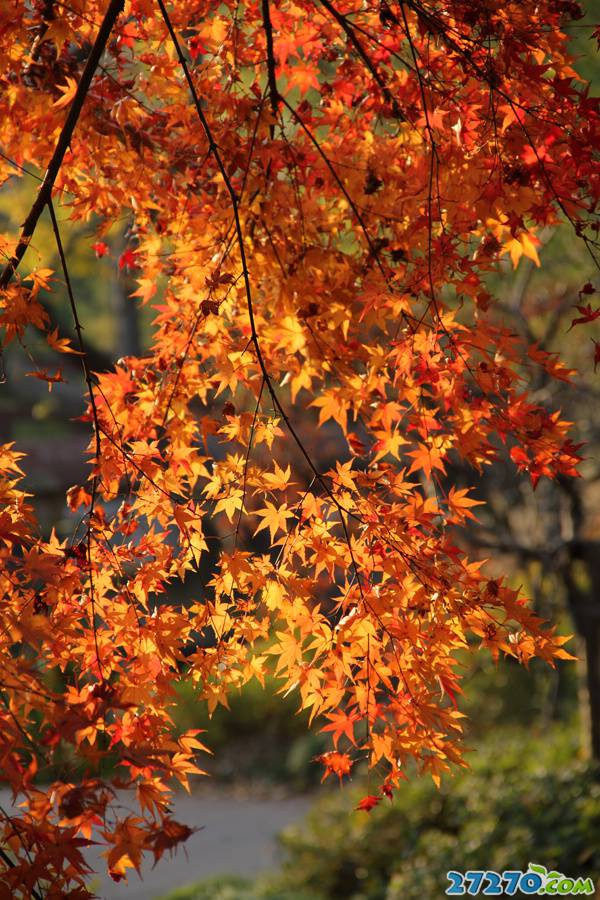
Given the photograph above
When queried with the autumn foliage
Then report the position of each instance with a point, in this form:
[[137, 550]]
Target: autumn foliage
[[316, 195]]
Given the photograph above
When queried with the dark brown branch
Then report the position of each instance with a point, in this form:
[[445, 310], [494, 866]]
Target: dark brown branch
[[244, 262], [514, 548], [339, 183], [439, 27], [272, 78], [64, 139], [350, 33], [247, 461]]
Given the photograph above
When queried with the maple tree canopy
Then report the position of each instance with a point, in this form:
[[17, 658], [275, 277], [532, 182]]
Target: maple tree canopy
[[316, 195]]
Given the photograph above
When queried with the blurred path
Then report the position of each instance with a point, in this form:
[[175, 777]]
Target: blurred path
[[237, 837]]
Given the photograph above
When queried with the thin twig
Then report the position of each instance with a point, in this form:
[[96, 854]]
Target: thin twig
[[90, 386], [64, 139], [350, 33], [243, 259]]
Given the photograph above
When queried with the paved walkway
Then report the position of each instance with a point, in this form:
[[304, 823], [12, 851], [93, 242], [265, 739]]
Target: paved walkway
[[237, 837]]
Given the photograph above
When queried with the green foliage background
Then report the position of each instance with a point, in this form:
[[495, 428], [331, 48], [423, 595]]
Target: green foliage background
[[523, 800]]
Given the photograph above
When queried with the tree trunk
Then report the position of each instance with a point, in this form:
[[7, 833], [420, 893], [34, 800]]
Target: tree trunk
[[583, 587], [592, 671]]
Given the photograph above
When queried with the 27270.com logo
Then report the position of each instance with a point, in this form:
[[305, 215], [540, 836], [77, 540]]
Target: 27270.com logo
[[535, 881]]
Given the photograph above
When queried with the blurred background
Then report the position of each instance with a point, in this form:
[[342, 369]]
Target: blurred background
[[533, 790]]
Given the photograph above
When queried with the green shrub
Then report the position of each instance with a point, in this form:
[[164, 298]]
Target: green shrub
[[523, 800], [231, 887], [227, 887]]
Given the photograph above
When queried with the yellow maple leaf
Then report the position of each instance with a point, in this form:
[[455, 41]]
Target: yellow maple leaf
[[279, 478], [342, 476], [388, 442], [62, 345], [332, 407], [68, 92], [230, 504], [524, 245], [273, 518]]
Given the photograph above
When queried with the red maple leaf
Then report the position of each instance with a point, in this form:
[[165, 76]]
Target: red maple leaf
[[100, 248], [197, 47], [587, 315], [367, 803], [127, 259]]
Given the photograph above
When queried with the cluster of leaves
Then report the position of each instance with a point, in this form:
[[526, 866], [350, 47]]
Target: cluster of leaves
[[315, 198], [259, 737], [523, 800]]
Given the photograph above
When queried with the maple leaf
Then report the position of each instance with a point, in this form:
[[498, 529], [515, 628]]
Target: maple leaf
[[147, 288], [273, 518], [40, 278], [62, 345], [231, 503], [128, 34], [129, 838], [6, 530], [460, 504], [428, 457], [168, 836], [434, 118], [551, 362], [45, 375], [343, 475], [279, 479], [335, 763], [68, 92], [332, 406], [303, 75], [127, 259], [388, 444], [587, 315], [152, 796], [366, 804], [524, 245], [197, 47], [356, 445], [341, 724], [100, 248], [588, 288]]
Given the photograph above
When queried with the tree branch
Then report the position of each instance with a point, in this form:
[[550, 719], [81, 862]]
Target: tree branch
[[64, 139], [244, 262], [273, 92], [380, 80]]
